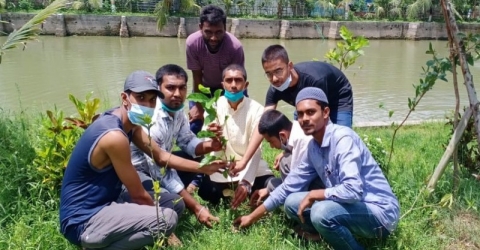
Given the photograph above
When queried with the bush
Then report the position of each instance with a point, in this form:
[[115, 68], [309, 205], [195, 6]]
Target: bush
[[16, 157]]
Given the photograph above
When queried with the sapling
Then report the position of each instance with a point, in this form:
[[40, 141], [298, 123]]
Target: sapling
[[209, 105], [147, 122]]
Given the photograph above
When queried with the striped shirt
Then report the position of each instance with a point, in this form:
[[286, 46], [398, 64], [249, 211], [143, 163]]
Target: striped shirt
[[166, 132]]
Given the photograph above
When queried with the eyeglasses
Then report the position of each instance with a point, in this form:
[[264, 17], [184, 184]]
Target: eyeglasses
[[278, 73], [231, 79]]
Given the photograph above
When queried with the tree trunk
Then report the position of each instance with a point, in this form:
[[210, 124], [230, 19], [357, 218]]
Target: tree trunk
[[452, 30]]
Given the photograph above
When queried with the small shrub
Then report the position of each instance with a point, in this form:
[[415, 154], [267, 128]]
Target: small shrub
[[378, 150]]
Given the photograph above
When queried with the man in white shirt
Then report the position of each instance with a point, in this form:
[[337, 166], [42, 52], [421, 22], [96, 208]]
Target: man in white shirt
[[243, 117], [281, 133]]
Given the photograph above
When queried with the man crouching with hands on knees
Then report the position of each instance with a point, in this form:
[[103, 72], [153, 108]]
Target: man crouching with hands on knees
[[357, 199]]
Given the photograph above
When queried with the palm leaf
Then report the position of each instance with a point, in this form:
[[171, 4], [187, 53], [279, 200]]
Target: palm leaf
[[162, 10], [417, 8], [31, 29]]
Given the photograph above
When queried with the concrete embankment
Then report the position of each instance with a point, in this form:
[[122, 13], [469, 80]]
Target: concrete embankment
[[128, 26]]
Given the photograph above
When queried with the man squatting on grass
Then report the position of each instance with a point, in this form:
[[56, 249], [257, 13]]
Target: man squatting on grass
[[357, 199], [100, 162], [281, 133], [171, 127], [243, 114]]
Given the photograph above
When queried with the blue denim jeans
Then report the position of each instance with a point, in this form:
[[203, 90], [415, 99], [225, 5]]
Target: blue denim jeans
[[337, 222], [344, 118]]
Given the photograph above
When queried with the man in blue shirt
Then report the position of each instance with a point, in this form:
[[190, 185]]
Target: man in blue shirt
[[357, 199]]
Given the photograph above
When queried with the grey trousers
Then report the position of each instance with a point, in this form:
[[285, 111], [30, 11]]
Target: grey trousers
[[285, 164], [127, 226]]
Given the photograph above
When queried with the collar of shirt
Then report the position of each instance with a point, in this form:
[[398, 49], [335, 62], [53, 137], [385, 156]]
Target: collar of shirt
[[327, 136], [239, 107], [165, 115]]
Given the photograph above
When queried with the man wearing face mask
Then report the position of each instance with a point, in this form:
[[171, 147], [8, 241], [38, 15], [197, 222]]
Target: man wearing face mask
[[243, 115], [281, 133], [90, 214], [171, 128], [287, 80], [208, 52]]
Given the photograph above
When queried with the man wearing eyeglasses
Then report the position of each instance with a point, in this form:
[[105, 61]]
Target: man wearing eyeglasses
[[287, 80]]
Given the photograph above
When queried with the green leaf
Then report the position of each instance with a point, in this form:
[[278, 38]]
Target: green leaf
[[203, 89], [205, 134], [390, 113], [470, 59], [207, 159], [217, 94], [225, 173], [198, 97]]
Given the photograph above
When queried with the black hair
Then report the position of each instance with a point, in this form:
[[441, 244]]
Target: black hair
[[235, 67], [213, 15], [168, 70], [272, 122], [274, 52], [322, 105]]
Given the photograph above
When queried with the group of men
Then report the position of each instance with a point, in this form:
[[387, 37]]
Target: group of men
[[329, 182]]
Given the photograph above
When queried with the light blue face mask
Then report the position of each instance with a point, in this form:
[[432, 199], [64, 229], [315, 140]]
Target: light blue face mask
[[233, 97], [137, 114], [284, 85], [164, 107]]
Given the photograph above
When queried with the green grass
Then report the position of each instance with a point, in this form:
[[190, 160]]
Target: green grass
[[29, 214]]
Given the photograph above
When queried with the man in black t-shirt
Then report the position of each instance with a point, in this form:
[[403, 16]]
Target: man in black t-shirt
[[287, 80]]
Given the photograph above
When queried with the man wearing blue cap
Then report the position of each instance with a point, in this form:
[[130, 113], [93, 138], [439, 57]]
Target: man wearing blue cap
[[357, 199]]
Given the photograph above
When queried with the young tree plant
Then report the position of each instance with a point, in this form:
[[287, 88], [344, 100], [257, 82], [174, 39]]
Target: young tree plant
[[209, 105], [348, 50]]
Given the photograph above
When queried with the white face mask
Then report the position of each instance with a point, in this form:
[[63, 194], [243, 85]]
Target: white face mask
[[284, 85]]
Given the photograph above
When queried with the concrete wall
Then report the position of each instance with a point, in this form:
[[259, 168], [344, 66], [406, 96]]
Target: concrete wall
[[103, 25]]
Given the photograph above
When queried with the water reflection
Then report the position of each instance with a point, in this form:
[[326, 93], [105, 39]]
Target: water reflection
[[45, 73]]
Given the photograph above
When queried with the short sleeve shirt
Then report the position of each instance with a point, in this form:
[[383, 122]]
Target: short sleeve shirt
[[212, 65], [321, 75]]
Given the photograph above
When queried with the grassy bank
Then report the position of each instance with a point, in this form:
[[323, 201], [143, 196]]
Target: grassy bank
[[29, 217]]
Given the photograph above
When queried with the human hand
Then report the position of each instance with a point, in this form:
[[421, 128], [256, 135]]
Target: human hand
[[237, 167], [196, 112], [276, 163], [241, 194], [306, 203], [258, 196], [216, 144], [213, 167], [203, 216], [191, 188], [243, 221], [215, 128]]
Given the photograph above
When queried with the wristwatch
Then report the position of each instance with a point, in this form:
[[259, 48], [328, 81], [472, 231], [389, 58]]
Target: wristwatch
[[247, 185]]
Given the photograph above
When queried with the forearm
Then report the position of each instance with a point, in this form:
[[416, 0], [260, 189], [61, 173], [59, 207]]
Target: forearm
[[190, 202], [142, 198], [258, 213], [252, 147], [317, 195], [203, 148]]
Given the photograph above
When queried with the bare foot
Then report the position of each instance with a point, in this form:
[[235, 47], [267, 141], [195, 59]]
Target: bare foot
[[174, 241]]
